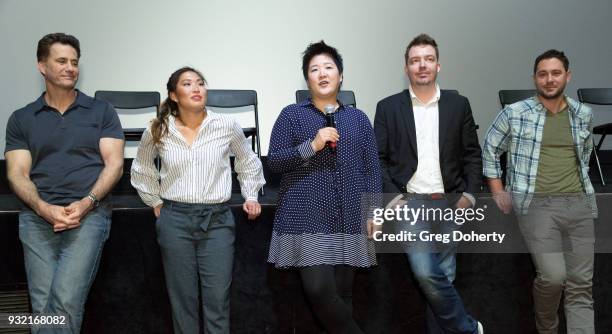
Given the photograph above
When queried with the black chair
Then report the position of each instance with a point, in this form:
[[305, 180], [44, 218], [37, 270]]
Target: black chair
[[228, 99], [131, 101], [135, 104], [346, 97], [509, 96], [602, 97]]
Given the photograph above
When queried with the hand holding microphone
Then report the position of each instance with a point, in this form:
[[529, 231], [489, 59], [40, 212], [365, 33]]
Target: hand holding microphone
[[328, 135], [330, 121]]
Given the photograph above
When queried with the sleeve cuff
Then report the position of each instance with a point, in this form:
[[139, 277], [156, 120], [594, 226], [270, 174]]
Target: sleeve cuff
[[305, 150], [492, 172], [251, 198], [471, 198], [156, 202]]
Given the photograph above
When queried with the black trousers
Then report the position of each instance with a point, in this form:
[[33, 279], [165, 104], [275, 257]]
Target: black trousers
[[329, 290]]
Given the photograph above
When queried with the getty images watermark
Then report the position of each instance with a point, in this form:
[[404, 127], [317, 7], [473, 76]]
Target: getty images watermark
[[428, 216], [405, 223]]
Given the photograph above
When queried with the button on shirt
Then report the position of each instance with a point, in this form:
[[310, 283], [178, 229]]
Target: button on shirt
[[428, 178], [200, 172]]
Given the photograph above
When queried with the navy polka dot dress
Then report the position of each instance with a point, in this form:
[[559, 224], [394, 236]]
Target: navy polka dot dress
[[321, 215]]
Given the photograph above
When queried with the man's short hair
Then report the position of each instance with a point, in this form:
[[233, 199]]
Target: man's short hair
[[552, 53], [44, 45], [316, 49], [422, 39]]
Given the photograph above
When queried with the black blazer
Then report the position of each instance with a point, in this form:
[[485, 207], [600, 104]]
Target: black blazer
[[460, 154]]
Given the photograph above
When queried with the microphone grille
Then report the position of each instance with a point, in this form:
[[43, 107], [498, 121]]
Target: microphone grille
[[329, 108]]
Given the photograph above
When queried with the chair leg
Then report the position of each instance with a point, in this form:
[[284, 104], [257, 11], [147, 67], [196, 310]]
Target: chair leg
[[261, 191], [595, 150], [601, 140]]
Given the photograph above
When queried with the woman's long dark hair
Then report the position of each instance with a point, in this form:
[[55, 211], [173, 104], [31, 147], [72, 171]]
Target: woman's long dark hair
[[159, 126]]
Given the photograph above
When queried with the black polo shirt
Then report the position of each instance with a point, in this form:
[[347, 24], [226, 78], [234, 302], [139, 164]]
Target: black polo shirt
[[65, 148]]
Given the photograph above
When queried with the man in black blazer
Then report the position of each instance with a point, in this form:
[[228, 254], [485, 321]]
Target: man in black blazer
[[429, 151]]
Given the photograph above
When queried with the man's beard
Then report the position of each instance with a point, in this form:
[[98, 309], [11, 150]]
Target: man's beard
[[542, 93]]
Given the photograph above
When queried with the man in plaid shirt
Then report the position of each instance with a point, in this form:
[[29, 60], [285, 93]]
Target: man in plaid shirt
[[548, 140]]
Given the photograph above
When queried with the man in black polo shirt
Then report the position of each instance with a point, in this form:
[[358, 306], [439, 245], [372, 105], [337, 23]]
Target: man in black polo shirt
[[64, 153]]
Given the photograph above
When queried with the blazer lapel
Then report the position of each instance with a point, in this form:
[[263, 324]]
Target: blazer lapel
[[407, 115]]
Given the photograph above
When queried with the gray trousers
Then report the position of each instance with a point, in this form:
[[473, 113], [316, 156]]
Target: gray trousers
[[559, 232], [197, 248]]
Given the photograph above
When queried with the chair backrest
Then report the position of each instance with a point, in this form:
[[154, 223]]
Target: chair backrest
[[238, 102], [131, 107], [346, 97], [509, 96], [242, 104], [129, 100], [231, 98], [135, 109], [599, 96]]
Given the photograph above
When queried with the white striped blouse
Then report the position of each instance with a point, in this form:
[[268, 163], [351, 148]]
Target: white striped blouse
[[200, 173]]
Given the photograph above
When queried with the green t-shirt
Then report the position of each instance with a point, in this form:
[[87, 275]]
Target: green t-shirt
[[558, 166]]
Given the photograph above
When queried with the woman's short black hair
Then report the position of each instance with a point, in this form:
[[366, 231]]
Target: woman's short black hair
[[316, 49]]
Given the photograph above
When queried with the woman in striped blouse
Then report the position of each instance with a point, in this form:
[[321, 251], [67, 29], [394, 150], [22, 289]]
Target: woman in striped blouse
[[195, 227]]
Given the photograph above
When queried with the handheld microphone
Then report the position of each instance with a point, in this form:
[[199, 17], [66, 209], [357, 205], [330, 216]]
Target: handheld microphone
[[330, 122]]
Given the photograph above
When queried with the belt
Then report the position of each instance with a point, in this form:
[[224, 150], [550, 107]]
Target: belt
[[427, 197], [207, 212]]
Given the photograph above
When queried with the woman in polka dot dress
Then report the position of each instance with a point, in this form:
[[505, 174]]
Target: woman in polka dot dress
[[320, 224]]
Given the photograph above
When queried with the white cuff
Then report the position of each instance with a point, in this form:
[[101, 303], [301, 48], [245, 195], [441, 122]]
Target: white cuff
[[471, 198]]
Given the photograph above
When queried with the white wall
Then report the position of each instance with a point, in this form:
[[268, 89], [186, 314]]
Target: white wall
[[135, 45]]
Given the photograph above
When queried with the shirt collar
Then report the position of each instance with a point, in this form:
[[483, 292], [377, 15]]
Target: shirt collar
[[81, 100], [414, 98], [572, 106], [210, 116], [308, 103]]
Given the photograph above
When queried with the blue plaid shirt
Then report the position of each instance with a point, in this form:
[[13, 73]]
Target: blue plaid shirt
[[518, 130]]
